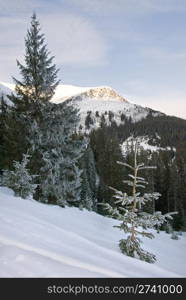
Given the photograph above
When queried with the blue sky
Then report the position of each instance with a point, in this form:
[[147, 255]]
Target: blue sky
[[136, 46]]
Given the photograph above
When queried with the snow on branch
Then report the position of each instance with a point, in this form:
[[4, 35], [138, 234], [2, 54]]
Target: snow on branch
[[125, 164], [147, 167]]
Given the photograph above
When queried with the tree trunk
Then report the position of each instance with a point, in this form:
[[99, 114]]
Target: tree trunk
[[134, 192]]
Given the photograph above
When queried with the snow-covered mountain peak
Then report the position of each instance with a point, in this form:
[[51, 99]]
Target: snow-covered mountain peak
[[104, 93], [96, 103], [64, 92], [101, 103]]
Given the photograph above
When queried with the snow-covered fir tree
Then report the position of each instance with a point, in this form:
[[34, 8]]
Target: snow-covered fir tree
[[86, 193], [129, 210], [3, 151], [19, 179], [174, 236], [37, 85], [39, 74], [48, 131], [56, 149], [89, 180]]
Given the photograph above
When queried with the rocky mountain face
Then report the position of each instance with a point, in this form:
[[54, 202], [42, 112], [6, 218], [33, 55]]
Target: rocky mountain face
[[102, 93]]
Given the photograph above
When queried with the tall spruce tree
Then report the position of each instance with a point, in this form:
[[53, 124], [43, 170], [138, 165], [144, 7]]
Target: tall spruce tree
[[39, 74], [47, 130], [37, 85]]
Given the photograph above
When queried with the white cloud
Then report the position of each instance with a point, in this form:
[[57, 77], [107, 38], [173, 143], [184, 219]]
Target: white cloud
[[74, 40]]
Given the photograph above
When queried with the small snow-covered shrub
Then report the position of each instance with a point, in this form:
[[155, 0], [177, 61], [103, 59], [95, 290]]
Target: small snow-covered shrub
[[174, 236], [19, 179]]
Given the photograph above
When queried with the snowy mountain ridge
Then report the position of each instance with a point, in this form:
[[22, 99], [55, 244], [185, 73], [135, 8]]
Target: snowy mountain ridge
[[94, 102], [66, 91]]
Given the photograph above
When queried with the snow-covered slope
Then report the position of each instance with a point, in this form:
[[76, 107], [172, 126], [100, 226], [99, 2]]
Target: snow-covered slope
[[39, 240], [64, 91], [145, 143]]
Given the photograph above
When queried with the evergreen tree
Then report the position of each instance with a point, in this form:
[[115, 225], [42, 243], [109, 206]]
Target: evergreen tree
[[89, 180], [13, 134], [131, 215], [20, 180], [56, 150], [37, 86], [45, 130], [39, 75], [3, 115], [88, 120], [86, 193]]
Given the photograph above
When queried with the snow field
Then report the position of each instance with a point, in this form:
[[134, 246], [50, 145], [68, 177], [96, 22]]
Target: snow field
[[39, 240]]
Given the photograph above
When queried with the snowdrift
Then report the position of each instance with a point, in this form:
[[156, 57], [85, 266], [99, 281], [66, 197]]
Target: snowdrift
[[39, 240]]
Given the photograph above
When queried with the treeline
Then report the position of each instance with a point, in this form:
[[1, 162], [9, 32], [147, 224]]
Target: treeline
[[169, 178]]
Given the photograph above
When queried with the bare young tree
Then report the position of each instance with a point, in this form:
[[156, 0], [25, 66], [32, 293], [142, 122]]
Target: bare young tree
[[129, 210]]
